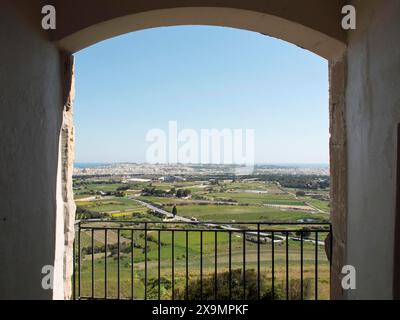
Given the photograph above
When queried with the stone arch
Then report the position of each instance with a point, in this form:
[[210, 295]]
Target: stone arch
[[311, 24], [303, 36]]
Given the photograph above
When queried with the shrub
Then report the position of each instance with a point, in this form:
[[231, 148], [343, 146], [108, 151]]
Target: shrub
[[237, 287]]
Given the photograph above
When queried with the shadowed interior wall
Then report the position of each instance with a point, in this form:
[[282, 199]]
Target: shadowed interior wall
[[372, 113], [30, 122]]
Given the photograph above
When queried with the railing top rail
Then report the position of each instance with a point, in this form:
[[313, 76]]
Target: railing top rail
[[148, 222]]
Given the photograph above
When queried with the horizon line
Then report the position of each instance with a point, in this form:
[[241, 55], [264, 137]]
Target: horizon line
[[205, 164]]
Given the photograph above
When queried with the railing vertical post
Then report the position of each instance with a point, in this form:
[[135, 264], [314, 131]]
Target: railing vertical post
[[216, 266], [330, 244], [187, 266], [79, 260], [230, 265], [74, 271], [159, 265], [287, 265], [201, 265], [301, 264], [316, 265], [258, 262], [330, 253], [132, 265], [145, 261], [105, 263], [93, 294], [273, 265], [118, 264], [173, 265], [244, 265]]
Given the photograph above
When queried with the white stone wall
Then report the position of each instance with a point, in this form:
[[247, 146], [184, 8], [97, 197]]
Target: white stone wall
[[373, 112], [31, 113]]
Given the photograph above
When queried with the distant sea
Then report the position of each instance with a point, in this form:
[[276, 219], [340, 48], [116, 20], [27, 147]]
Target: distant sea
[[83, 165], [296, 165]]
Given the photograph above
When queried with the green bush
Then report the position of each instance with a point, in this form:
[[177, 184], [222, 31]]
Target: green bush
[[237, 287]]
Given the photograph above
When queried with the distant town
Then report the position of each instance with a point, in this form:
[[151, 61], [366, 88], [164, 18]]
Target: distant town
[[117, 169]]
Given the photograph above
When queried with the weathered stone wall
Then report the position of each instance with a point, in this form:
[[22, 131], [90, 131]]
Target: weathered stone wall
[[338, 167], [67, 166]]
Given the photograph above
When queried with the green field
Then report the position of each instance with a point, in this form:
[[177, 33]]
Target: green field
[[256, 198], [112, 205], [243, 213]]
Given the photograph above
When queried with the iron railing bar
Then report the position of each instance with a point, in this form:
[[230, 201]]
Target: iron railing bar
[[216, 266], [206, 223], [287, 265], [331, 254], [247, 231], [331, 243], [187, 266], [145, 262], [118, 263], [316, 265], [173, 265], [230, 265], [79, 260], [219, 226], [301, 266], [93, 293], [244, 266], [201, 265], [159, 265], [132, 267], [105, 263], [258, 262], [74, 271], [273, 265]]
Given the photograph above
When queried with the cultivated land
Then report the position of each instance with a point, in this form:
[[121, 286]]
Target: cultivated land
[[205, 199]]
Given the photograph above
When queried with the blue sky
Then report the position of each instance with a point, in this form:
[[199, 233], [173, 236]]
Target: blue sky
[[204, 78]]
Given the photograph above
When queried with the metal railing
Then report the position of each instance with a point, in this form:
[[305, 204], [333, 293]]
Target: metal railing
[[148, 260]]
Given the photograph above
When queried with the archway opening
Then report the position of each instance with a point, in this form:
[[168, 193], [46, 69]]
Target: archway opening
[[268, 193]]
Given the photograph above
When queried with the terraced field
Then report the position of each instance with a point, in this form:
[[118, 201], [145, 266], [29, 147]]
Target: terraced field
[[243, 213]]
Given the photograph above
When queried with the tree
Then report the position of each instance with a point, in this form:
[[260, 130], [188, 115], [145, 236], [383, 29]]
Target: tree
[[300, 193], [119, 194], [183, 193], [187, 193], [123, 188], [306, 234], [174, 211]]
